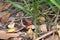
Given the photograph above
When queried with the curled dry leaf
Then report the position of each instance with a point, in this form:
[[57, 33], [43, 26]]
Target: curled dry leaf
[[30, 31], [11, 25], [43, 28], [42, 19]]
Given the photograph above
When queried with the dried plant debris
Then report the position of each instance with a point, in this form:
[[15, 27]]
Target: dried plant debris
[[5, 18], [29, 20]]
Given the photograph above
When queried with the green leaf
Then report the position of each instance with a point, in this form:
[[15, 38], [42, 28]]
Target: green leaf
[[20, 7], [51, 6], [56, 2]]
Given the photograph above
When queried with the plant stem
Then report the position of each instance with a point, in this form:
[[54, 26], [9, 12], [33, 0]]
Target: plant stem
[[36, 30]]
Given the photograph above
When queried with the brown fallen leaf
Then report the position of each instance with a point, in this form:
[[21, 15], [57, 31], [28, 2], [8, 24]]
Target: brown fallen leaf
[[56, 37], [7, 6], [1, 7], [2, 14], [3, 0], [5, 18]]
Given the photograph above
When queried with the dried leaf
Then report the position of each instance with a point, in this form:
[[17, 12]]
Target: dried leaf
[[5, 18], [2, 14], [1, 7], [58, 26], [42, 19], [11, 25], [43, 28], [56, 37], [30, 31], [7, 6], [16, 39]]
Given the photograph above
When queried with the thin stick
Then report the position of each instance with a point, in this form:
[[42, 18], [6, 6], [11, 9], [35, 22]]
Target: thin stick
[[43, 36]]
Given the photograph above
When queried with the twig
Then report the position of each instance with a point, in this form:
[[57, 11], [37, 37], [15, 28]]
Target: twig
[[56, 18], [43, 36]]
